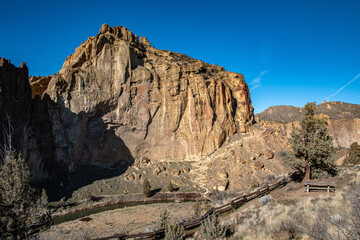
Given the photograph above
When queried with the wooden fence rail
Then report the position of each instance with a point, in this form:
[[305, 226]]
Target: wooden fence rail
[[190, 224]]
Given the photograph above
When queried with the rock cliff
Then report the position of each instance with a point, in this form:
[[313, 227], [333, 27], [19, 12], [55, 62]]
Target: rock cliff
[[15, 104], [120, 100], [343, 120], [29, 119]]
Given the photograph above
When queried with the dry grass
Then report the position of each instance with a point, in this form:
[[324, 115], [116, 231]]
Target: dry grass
[[327, 217]]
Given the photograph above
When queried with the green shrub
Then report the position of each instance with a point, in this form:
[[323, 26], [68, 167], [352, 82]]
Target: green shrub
[[147, 188], [353, 155], [174, 232], [171, 187], [212, 229], [164, 220]]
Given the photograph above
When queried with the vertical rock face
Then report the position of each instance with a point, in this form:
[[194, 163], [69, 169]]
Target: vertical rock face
[[32, 128], [15, 100], [119, 100]]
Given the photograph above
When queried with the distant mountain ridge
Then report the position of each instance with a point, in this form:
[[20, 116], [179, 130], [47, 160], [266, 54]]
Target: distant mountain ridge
[[334, 110], [343, 122]]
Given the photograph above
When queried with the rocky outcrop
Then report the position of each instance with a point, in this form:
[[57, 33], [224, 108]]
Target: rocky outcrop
[[343, 120], [38, 85], [120, 99]]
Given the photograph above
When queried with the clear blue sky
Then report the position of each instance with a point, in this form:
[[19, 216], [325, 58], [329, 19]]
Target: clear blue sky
[[290, 52]]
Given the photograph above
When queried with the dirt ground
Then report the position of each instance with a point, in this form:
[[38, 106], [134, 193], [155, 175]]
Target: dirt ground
[[125, 220]]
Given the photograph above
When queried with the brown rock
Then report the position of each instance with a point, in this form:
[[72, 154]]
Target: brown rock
[[224, 186], [176, 172], [268, 154], [157, 171], [136, 175], [38, 85], [258, 165], [144, 41], [223, 175]]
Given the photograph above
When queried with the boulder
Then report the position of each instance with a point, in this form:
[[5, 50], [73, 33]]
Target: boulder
[[223, 175], [258, 165], [268, 154]]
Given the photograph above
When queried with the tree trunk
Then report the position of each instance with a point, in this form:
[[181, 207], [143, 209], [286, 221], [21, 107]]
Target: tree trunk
[[307, 171]]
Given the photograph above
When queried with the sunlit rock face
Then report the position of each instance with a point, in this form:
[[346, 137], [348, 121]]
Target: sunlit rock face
[[343, 120], [118, 99]]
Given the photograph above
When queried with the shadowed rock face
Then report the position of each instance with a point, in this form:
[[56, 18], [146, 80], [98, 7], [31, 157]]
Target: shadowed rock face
[[15, 100], [117, 93], [32, 128]]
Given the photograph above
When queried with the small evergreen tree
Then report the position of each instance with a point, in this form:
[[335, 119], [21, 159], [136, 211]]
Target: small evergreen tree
[[164, 220], [353, 156], [312, 147], [171, 187], [212, 229], [174, 232], [146, 188], [197, 209], [22, 210]]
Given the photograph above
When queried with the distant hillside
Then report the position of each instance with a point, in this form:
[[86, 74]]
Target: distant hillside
[[335, 110]]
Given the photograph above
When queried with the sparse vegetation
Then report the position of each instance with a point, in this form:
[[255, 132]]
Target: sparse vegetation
[[312, 147], [326, 217], [212, 229], [266, 200]]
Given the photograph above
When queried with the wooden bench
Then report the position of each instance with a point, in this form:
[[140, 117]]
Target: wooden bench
[[329, 187]]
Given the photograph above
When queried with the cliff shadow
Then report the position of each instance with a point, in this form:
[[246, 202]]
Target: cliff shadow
[[78, 149]]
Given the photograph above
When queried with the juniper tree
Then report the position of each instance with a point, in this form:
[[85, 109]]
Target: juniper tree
[[22, 210], [353, 155], [146, 188], [171, 187], [312, 147]]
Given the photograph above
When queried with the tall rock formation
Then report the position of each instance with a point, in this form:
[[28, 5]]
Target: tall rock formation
[[15, 101], [120, 100], [31, 127]]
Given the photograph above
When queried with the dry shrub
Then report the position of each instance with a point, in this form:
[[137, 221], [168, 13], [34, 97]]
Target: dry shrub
[[327, 218]]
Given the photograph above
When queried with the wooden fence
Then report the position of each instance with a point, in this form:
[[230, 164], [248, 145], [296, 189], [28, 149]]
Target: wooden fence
[[231, 206]]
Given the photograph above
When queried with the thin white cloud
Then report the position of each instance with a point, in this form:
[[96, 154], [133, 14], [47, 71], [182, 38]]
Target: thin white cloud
[[334, 94], [256, 82]]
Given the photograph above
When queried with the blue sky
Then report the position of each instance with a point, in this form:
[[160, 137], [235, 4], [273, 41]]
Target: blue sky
[[290, 52]]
